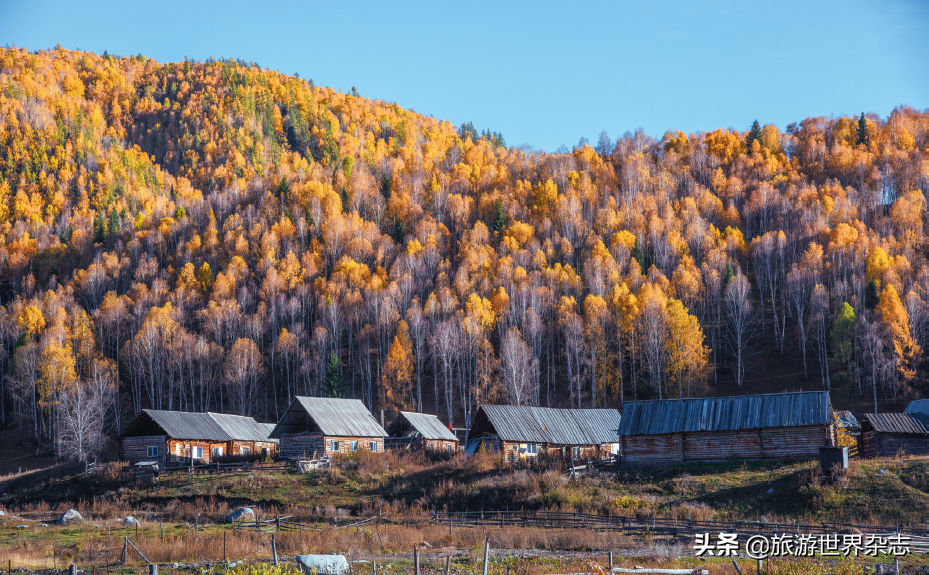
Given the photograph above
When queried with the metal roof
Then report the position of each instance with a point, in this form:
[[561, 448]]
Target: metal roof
[[547, 425], [427, 426], [846, 419], [658, 417], [207, 426], [909, 423], [329, 415], [917, 406]]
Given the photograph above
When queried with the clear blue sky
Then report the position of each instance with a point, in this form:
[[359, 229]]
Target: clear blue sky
[[542, 73]]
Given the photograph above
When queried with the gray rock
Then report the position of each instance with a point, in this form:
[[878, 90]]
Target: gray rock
[[323, 564], [770, 491], [131, 522], [242, 513], [880, 472], [22, 527], [70, 516]]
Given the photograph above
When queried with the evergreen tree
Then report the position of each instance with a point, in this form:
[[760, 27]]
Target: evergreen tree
[[283, 188], [99, 228], [871, 297], [399, 231], [842, 340], [344, 196], [385, 186], [335, 383], [638, 256], [468, 130], [499, 217], [863, 136], [754, 134], [113, 225]]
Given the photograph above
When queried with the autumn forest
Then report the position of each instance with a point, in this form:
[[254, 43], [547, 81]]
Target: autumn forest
[[218, 236]]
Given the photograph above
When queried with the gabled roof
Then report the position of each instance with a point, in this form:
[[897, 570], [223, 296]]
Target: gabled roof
[[200, 426], [917, 406], [547, 425], [419, 424], [658, 417], [847, 420], [908, 423], [329, 415]]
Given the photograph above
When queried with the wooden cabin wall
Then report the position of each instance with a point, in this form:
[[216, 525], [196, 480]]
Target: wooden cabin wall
[[135, 449]]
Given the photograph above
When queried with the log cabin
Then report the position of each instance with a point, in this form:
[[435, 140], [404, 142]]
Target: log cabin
[[517, 431], [750, 427], [173, 436], [890, 434], [420, 431], [322, 426]]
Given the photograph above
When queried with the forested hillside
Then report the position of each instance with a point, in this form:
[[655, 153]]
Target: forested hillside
[[218, 236]]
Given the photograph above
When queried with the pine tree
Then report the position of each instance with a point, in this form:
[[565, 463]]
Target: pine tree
[[863, 136], [283, 188], [344, 197], [99, 228], [113, 225], [842, 341], [335, 384], [499, 218], [754, 134], [870, 295], [385, 186], [638, 256]]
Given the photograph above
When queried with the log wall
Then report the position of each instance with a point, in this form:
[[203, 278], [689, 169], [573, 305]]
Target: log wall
[[135, 449], [892, 444], [304, 445], [744, 444]]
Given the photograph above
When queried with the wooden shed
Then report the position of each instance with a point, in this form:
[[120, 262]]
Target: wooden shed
[[525, 431], [324, 425], [887, 434], [172, 436], [419, 431], [748, 427]]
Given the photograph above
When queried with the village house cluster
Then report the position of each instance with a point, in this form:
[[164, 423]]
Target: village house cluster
[[652, 432]]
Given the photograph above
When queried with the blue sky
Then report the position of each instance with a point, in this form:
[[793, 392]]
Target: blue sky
[[542, 73]]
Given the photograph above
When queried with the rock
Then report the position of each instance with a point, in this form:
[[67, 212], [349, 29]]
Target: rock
[[22, 527], [230, 565], [2, 513], [70, 516], [881, 472], [43, 525], [240, 514], [323, 564], [770, 491], [131, 522], [176, 566]]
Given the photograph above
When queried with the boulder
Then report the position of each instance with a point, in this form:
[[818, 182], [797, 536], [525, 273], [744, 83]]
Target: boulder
[[323, 564], [241, 514], [70, 516], [131, 522]]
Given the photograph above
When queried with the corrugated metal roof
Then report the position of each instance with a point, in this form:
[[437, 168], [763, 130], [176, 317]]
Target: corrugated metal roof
[[846, 419], [428, 426], [658, 417], [917, 406], [549, 425], [208, 426], [909, 423], [331, 416]]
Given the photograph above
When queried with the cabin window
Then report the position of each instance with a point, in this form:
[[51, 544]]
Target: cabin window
[[576, 451], [335, 446], [151, 451], [430, 446], [264, 451], [354, 445], [374, 446], [198, 452], [244, 451], [217, 452], [530, 448], [515, 448], [448, 447]]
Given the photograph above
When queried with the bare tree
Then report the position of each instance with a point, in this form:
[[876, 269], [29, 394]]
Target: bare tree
[[81, 416], [741, 324], [819, 320], [518, 367]]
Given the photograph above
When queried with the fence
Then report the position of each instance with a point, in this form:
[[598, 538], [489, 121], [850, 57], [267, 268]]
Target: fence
[[656, 525]]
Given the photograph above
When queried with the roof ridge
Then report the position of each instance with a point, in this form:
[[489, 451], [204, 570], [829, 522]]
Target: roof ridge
[[782, 393]]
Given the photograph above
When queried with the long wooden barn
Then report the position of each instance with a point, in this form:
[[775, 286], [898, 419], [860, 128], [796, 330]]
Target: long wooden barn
[[419, 431], [175, 436], [747, 427], [889, 434], [524, 431], [322, 426]]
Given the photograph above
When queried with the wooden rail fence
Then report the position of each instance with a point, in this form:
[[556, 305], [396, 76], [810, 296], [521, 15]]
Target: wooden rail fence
[[656, 525]]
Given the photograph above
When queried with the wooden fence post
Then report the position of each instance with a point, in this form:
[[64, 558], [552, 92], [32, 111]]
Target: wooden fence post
[[273, 549], [125, 549], [448, 560], [72, 570], [153, 569], [415, 560], [611, 561]]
